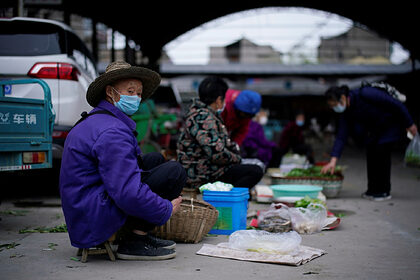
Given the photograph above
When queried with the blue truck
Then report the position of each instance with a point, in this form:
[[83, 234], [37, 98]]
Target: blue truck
[[26, 127]]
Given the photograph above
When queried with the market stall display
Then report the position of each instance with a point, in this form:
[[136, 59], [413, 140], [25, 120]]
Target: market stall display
[[331, 183], [309, 216], [263, 246]]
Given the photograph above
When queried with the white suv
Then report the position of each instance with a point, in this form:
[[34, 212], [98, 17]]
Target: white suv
[[51, 51]]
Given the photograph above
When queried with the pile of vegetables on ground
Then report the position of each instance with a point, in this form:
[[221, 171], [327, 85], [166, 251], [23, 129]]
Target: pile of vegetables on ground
[[315, 172]]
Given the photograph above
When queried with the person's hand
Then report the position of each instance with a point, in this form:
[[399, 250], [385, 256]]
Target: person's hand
[[176, 204], [329, 166], [412, 129]]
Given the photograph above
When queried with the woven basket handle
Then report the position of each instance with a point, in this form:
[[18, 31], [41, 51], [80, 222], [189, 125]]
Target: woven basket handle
[[192, 204]]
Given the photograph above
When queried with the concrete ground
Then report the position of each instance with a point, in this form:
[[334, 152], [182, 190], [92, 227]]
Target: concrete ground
[[375, 240]]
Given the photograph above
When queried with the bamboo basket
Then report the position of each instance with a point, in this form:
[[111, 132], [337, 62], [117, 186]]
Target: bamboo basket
[[190, 224]]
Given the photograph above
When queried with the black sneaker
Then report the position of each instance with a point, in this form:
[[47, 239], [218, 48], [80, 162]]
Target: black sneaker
[[142, 249], [157, 242], [377, 196]]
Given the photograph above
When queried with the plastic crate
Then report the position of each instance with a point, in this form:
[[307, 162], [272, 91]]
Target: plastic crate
[[232, 207]]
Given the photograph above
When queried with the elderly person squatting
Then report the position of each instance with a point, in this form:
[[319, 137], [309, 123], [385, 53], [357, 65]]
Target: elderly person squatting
[[106, 184]]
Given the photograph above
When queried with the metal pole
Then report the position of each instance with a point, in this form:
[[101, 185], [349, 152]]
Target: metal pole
[[112, 46], [19, 8], [126, 50], [66, 13], [94, 40], [129, 52]]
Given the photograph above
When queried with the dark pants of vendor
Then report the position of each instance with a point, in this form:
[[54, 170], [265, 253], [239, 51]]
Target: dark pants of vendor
[[378, 157], [242, 175], [164, 178]]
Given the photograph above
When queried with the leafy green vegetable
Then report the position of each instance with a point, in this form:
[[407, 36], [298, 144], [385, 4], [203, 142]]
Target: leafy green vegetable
[[412, 158], [59, 228], [304, 202], [14, 212], [314, 171], [8, 246]]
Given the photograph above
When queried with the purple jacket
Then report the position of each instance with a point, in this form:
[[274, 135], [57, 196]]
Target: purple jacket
[[255, 140], [381, 116], [100, 181]]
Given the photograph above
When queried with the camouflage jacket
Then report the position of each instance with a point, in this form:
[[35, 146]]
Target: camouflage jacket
[[204, 147]]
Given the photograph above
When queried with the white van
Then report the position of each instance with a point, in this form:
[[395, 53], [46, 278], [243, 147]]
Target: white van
[[51, 51]]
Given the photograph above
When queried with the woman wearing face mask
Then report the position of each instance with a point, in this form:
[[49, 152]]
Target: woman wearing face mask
[[241, 107], [291, 138], [256, 145], [106, 184], [204, 147], [383, 118]]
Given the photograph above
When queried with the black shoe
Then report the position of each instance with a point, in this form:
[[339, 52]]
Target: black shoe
[[153, 240], [142, 249], [162, 243], [377, 196]]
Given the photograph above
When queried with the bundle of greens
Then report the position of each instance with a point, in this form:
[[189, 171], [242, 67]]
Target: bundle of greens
[[304, 202], [314, 171], [412, 159]]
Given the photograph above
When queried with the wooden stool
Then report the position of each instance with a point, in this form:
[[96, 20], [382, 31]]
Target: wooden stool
[[104, 248]]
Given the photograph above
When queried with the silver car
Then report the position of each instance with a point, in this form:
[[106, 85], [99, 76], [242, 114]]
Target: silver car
[[51, 51]]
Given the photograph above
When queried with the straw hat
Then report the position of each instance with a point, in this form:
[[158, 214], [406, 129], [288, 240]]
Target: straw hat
[[119, 70]]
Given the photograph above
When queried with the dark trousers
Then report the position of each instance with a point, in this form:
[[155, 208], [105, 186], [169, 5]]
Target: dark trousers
[[242, 175], [378, 162], [276, 156], [164, 178]]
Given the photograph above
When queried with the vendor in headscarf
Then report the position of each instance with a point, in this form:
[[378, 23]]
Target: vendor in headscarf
[[241, 107], [106, 184]]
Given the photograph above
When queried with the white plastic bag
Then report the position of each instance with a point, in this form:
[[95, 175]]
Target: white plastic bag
[[216, 186], [412, 153], [310, 219], [265, 242]]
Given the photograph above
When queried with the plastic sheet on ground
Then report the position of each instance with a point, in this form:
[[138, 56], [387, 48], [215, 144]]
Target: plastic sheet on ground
[[301, 256]]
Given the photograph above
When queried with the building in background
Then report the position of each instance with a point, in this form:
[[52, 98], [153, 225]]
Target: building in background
[[356, 46], [244, 51]]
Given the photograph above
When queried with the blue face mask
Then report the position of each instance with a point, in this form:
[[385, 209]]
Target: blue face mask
[[300, 123], [128, 104], [219, 111], [339, 108]]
